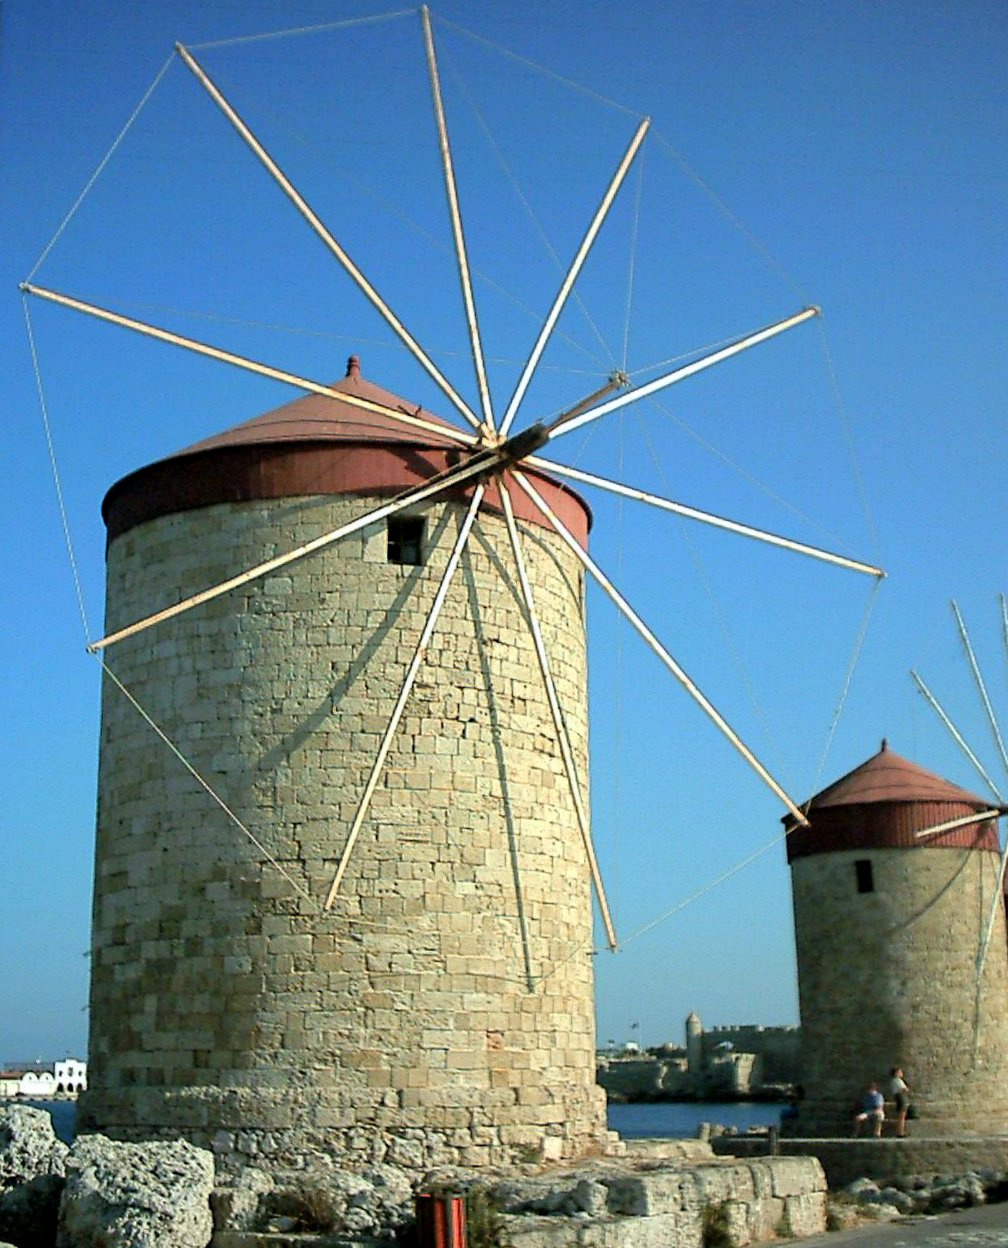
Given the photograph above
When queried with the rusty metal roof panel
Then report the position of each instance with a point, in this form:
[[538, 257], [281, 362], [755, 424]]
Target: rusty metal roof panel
[[883, 804], [891, 825], [318, 445], [887, 777], [319, 418]]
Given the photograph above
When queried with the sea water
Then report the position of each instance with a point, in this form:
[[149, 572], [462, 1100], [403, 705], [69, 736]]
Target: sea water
[[679, 1120], [651, 1120], [63, 1114]]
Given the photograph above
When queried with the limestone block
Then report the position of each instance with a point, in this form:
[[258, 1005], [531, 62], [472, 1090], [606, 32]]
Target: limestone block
[[662, 1231], [805, 1214], [649, 1193], [718, 1183], [762, 1179], [236, 1204], [795, 1176], [765, 1216], [28, 1145], [29, 1211], [152, 1195]]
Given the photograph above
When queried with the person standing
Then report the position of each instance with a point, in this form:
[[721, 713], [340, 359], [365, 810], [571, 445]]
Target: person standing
[[900, 1094]]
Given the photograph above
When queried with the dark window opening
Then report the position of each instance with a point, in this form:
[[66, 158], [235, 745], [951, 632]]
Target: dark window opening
[[863, 873], [405, 540]]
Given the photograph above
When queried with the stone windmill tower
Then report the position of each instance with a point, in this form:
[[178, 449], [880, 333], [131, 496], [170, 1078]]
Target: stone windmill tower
[[900, 932], [442, 1007], [344, 867]]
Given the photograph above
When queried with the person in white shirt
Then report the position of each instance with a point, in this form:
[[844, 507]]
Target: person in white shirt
[[900, 1094]]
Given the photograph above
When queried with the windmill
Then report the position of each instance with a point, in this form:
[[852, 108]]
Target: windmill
[[997, 811], [493, 470], [898, 889]]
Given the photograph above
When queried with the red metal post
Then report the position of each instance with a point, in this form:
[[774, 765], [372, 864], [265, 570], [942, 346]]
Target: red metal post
[[441, 1221]]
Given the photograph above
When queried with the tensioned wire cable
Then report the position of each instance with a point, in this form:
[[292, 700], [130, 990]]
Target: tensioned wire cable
[[205, 784], [54, 469], [526, 204], [78, 589], [292, 32], [101, 166], [542, 70]]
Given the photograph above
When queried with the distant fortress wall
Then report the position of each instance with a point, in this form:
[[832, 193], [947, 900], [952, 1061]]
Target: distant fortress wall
[[777, 1046], [729, 1061]]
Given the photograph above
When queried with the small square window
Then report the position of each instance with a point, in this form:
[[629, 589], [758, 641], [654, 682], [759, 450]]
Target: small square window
[[863, 875], [405, 540]]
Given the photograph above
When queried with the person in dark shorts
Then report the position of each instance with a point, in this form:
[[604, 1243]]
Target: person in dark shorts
[[900, 1094]]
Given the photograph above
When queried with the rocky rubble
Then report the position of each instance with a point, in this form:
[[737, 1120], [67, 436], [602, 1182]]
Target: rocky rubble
[[32, 1169], [914, 1194], [135, 1195], [101, 1193], [377, 1203]]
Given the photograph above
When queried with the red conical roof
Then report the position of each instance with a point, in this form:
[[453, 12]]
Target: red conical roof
[[319, 444], [888, 802], [319, 418], [888, 777]]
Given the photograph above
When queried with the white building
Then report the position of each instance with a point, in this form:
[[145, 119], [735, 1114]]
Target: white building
[[70, 1075], [44, 1080]]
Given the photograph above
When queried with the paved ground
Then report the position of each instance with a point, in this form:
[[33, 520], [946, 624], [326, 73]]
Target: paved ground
[[982, 1226]]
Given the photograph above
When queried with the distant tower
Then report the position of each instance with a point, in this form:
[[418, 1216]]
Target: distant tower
[[888, 928], [694, 1044], [443, 1010]]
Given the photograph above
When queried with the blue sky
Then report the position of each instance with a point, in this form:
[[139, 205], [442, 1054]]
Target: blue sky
[[850, 155]]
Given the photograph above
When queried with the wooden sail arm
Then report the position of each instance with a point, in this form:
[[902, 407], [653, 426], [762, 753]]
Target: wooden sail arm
[[706, 517], [559, 724], [249, 365], [562, 425], [316, 223], [461, 253], [407, 686], [956, 735], [572, 274], [979, 681], [666, 658]]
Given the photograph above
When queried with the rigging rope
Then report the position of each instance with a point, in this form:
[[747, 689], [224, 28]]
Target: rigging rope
[[730, 216], [855, 465], [847, 682], [356, 340], [706, 888], [101, 166], [293, 31], [686, 533], [541, 69], [746, 475], [78, 588], [634, 243], [204, 784], [530, 212], [54, 468]]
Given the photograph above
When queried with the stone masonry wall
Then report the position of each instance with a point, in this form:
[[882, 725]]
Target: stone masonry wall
[[777, 1046], [888, 978], [443, 1010]]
